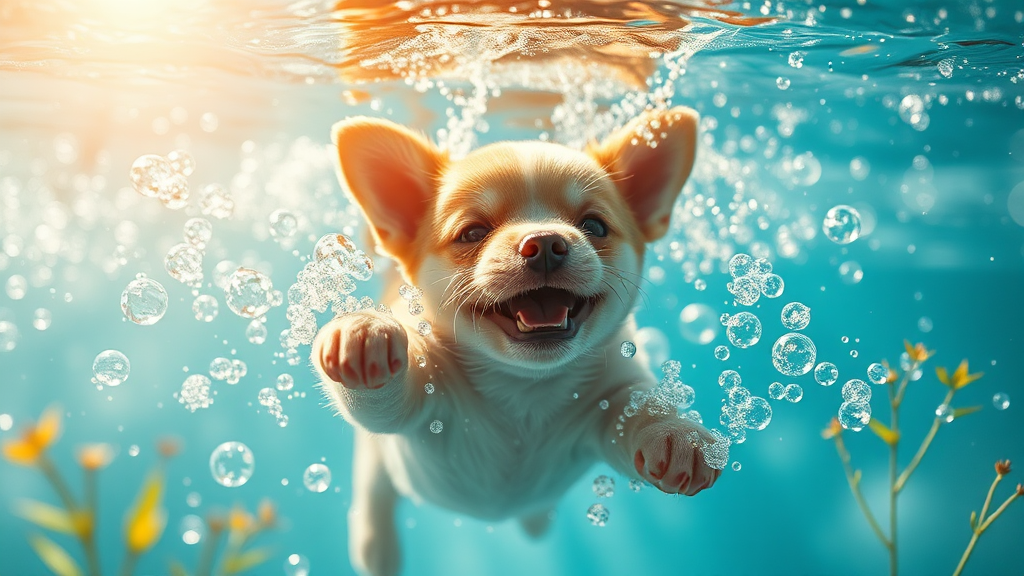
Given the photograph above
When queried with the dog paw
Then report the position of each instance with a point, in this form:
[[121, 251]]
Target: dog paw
[[365, 349], [668, 456]]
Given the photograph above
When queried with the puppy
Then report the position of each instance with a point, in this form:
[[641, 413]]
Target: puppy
[[529, 255]]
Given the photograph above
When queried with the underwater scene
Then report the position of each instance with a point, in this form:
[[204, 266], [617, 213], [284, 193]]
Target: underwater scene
[[827, 313]]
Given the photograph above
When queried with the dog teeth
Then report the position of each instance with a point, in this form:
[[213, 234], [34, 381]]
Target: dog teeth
[[523, 327]]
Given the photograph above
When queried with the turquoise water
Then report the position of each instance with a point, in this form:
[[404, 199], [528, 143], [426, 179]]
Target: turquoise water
[[913, 116]]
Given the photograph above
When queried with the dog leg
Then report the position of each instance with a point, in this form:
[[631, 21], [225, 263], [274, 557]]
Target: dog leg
[[372, 537]]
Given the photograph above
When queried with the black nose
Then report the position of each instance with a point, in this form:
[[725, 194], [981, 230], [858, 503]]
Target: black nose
[[543, 251]]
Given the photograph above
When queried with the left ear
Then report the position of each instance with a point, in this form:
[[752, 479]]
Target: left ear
[[650, 159]]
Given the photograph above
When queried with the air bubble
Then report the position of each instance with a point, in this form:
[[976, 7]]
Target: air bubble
[[854, 415], [110, 368], [842, 224], [796, 316], [1001, 401], [317, 478], [144, 301], [436, 427], [604, 486], [793, 354], [878, 373], [826, 374], [627, 349], [232, 464], [205, 308], [598, 515], [722, 353], [744, 330]]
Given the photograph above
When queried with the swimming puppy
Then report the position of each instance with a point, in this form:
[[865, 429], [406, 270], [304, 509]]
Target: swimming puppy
[[529, 256]]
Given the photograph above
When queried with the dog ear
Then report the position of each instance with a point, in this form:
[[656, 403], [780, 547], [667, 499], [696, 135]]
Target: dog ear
[[391, 172], [650, 159]]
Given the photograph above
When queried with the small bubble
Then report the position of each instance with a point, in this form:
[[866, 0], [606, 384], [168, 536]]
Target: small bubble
[[256, 332], [424, 328], [144, 301], [205, 308], [1001, 401], [317, 478], [796, 59], [628, 349], [421, 361], [856, 390], [793, 354], [722, 353], [796, 316], [851, 273], [782, 82], [285, 382], [842, 224], [854, 415], [598, 515], [736, 466], [794, 393], [110, 368], [133, 450], [743, 330], [603, 404], [283, 224], [776, 391], [635, 485], [878, 373], [428, 387], [436, 427], [296, 565], [232, 464], [924, 324], [604, 486], [945, 413], [41, 319]]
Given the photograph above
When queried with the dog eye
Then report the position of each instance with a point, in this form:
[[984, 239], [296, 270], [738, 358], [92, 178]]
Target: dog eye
[[594, 227], [473, 234]]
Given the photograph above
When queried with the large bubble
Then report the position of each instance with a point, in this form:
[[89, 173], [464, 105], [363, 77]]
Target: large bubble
[[842, 224], [110, 368], [248, 293], [743, 330], [232, 464], [793, 354], [144, 301]]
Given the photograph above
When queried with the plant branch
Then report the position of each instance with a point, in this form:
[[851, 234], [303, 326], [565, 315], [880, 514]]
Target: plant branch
[[936, 424], [851, 478], [983, 523], [988, 499]]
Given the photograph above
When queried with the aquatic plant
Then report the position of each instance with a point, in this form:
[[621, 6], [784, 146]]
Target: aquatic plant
[[980, 522], [891, 434], [145, 520]]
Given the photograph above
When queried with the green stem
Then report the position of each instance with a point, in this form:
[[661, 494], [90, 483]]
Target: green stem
[[92, 557], [844, 456], [936, 424], [983, 523], [128, 566], [894, 401], [64, 493], [54, 477], [205, 566]]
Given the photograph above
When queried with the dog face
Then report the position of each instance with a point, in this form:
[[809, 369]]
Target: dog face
[[530, 253]]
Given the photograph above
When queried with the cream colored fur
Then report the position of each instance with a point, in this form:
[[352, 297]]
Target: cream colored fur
[[522, 421]]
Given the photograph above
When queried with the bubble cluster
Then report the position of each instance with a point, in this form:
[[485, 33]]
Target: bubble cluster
[[195, 392], [598, 515], [841, 224], [741, 410], [110, 368], [826, 373], [604, 486], [743, 330], [412, 295], [144, 301], [267, 398], [793, 354], [232, 464], [317, 478], [796, 316]]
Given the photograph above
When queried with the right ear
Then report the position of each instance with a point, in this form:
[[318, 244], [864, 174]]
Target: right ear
[[391, 173]]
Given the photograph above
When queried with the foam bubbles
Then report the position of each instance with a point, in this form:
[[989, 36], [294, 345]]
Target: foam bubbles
[[195, 392], [826, 373], [793, 354], [110, 368], [232, 464], [743, 330], [842, 224], [144, 301], [317, 478], [796, 316]]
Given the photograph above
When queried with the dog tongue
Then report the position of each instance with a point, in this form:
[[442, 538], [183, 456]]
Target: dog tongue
[[543, 309]]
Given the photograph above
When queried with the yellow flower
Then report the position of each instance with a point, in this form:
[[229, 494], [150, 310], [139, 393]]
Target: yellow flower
[[147, 521], [959, 379], [239, 520], [267, 513], [1002, 467], [833, 429], [917, 352], [95, 456], [35, 439]]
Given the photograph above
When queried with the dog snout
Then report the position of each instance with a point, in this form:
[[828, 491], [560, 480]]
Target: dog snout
[[544, 251]]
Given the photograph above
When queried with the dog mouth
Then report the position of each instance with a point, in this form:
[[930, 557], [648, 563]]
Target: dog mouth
[[542, 314]]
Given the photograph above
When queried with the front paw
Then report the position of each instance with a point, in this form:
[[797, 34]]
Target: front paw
[[365, 349], [668, 456]]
